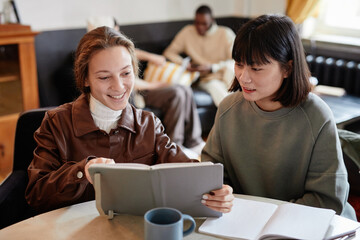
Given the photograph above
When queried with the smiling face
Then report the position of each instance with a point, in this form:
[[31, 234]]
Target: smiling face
[[111, 77], [203, 23], [260, 83]]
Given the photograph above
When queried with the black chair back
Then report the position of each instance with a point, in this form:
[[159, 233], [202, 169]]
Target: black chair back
[[28, 122], [13, 206]]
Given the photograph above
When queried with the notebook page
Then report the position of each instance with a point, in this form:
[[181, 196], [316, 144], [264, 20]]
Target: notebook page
[[245, 220], [138, 166], [341, 226], [299, 221]]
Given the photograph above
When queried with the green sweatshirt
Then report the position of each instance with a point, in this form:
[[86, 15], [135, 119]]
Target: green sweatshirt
[[292, 154]]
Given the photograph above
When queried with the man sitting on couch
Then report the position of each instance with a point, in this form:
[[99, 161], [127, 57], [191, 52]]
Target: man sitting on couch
[[209, 47]]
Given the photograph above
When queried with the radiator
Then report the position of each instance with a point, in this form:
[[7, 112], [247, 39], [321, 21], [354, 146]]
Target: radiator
[[336, 72]]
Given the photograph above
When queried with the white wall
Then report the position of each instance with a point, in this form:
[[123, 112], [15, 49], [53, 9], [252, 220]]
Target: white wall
[[67, 14]]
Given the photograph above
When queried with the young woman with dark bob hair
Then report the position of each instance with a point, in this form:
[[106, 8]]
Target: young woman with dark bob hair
[[100, 127], [275, 138]]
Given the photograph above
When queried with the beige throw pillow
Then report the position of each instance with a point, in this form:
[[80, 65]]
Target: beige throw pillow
[[171, 73]]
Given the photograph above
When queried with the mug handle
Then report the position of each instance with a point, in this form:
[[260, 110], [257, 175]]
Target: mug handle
[[192, 227]]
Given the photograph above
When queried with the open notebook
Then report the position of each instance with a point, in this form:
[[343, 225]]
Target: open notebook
[[135, 188], [251, 219]]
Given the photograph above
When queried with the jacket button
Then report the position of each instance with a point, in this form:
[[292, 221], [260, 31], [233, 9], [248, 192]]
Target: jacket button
[[79, 174]]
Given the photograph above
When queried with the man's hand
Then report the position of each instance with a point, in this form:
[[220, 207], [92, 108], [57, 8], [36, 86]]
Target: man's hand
[[203, 69]]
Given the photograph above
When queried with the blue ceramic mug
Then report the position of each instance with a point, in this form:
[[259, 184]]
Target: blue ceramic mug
[[166, 223]]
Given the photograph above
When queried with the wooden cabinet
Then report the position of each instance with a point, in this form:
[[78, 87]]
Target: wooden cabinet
[[18, 85], [7, 130]]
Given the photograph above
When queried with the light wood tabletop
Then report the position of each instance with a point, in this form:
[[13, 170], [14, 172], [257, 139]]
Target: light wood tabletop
[[82, 221]]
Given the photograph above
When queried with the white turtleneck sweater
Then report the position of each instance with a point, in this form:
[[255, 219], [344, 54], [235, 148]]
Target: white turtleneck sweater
[[105, 118]]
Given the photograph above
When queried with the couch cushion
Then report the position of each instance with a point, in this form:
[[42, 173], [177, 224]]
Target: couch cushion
[[202, 98], [171, 73]]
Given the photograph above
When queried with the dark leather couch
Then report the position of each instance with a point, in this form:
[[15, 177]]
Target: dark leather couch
[[54, 61]]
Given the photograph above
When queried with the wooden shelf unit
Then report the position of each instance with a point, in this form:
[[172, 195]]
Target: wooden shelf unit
[[23, 38]]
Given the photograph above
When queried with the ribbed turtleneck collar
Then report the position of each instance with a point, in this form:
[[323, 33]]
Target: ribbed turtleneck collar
[[105, 118]]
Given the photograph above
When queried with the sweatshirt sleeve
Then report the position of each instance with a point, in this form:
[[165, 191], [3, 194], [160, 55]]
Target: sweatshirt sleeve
[[213, 151], [326, 184], [176, 47], [54, 183], [229, 38]]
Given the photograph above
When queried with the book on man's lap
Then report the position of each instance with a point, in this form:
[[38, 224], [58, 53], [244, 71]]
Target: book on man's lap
[[133, 188]]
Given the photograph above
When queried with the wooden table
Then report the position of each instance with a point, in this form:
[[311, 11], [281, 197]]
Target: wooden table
[[82, 221]]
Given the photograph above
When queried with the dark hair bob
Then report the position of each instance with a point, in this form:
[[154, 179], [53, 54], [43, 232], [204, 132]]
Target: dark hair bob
[[274, 37]]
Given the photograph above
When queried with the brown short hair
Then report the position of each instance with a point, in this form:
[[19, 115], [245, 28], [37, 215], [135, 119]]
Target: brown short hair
[[93, 41], [276, 37]]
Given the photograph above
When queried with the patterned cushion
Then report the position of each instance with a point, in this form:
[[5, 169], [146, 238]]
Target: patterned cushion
[[171, 73]]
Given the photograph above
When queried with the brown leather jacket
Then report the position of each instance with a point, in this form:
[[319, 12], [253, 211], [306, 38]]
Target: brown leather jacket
[[68, 136]]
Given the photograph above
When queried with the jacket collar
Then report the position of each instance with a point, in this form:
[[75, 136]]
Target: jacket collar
[[83, 122], [127, 119]]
